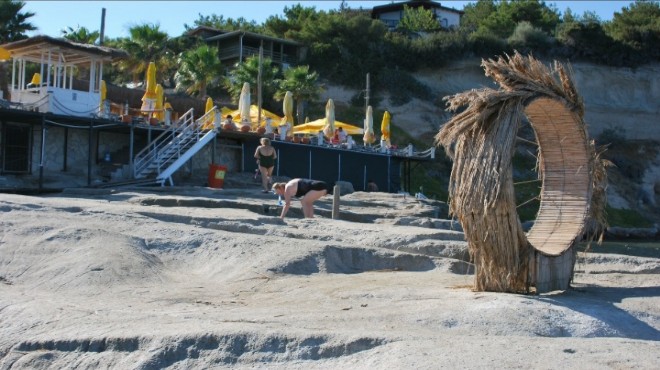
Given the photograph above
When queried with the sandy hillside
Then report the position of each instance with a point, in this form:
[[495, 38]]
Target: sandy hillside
[[192, 278]]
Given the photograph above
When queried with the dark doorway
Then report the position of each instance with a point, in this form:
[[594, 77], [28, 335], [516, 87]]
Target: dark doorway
[[16, 148]]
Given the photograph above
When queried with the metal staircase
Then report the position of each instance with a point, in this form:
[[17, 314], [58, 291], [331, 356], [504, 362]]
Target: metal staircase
[[174, 147]]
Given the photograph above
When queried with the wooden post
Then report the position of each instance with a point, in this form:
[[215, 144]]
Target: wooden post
[[335, 202]]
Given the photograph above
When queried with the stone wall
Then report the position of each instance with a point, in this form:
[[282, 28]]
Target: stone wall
[[68, 165]]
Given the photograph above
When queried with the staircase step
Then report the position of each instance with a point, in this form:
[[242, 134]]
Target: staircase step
[[176, 152]]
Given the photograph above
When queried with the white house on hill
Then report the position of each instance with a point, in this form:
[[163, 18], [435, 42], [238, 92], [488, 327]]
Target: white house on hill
[[391, 14]]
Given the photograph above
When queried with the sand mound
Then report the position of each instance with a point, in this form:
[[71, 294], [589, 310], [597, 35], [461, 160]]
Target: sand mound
[[209, 279]]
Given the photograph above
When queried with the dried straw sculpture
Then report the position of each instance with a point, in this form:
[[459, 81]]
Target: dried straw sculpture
[[481, 142]]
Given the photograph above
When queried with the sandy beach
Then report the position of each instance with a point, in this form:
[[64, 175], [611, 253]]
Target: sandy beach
[[197, 278]]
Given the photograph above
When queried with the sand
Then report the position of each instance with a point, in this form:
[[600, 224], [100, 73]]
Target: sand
[[197, 278]]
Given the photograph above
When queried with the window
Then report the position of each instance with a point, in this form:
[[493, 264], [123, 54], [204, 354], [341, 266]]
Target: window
[[16, 148]]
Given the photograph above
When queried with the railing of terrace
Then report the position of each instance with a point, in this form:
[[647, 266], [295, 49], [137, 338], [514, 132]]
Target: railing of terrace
[[173, 136], [275, 56]]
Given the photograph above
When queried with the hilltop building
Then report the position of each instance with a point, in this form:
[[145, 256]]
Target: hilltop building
[[391, 14], [236, 46]]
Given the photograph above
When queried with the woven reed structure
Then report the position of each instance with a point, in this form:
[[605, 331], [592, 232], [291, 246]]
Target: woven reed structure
[[481, 141]]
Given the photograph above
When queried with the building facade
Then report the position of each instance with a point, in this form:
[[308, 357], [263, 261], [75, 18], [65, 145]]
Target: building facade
[[391, 14], [236, 46]]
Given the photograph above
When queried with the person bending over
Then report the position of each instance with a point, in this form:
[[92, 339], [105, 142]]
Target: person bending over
[[307, 190], [266, 156]]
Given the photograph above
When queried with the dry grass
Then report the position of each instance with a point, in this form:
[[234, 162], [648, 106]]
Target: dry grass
[[481, 141]]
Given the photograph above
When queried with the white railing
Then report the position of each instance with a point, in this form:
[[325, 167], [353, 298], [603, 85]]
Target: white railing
[[181, 130], [172, 144], [407, 151], [32, 99], [48, 99], [275, 56]]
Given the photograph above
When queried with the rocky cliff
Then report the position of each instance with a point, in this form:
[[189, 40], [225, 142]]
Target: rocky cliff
[[614, 97], [626, 100]]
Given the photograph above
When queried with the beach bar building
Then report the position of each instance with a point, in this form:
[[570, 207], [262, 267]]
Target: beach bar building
[[55, 126]]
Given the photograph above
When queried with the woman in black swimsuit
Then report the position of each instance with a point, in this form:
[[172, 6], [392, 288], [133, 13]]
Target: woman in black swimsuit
[[307, 190], [266, 157]]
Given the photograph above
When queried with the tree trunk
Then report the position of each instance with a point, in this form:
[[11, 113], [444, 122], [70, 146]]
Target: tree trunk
[[300, 111]]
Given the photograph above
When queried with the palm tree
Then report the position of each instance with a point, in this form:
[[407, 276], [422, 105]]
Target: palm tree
[[13, 25], [80, 35], [303, 85], [198, 69], [13, 22], [147, 43], [248, 71]]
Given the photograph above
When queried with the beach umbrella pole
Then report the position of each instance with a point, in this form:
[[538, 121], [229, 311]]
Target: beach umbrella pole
[[259, 83]]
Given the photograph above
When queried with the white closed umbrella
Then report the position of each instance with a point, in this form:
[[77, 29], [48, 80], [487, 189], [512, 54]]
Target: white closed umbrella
[[369, 136], [244, 104], [329, 129]]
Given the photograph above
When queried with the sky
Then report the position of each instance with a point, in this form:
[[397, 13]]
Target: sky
[[53, 16]]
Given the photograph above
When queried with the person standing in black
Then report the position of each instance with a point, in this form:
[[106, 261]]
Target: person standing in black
[[266, 156]]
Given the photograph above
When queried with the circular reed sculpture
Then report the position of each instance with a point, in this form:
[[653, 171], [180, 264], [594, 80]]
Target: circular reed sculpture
[[481, 141], [566, 190]]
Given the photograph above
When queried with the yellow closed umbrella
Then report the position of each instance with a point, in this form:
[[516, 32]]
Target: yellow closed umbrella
[[385, 127], [369, 136], [209, 105], [103, 91], [286, 124], [208, 124], [287, 109], [149, 98], [4, 54], [329, 129], [160, 96]]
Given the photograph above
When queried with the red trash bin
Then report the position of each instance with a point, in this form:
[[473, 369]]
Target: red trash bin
[[217, 176]]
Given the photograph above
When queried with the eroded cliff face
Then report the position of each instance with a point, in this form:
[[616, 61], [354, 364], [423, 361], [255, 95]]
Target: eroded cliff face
[[614, 98], [624, 99], [621, 97]]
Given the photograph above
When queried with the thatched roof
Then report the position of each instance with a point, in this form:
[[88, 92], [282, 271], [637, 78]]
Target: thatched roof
[[74, 53], [481, 141]]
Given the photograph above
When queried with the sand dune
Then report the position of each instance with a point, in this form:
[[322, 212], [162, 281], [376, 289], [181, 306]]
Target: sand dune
[[202, 278]]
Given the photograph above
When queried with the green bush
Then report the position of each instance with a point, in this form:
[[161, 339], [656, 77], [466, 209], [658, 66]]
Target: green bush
[[402, 87], [398, 52], [413, 52], [343, 46], [638, 26], [631, 157], [526, 38], [626, 218], [612, 137], [485, 44]]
